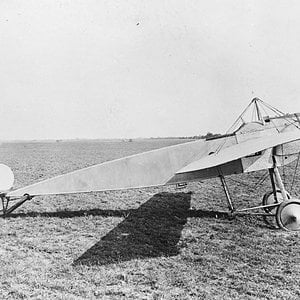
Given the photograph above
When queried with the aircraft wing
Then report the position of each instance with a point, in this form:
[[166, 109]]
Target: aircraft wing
[[146, 169], [237, 151]]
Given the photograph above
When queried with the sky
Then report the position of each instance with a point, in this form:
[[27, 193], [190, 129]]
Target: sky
[[127, 69]]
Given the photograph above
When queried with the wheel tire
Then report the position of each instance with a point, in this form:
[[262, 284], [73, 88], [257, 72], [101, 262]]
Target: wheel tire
[[288, 215], [268, 199]]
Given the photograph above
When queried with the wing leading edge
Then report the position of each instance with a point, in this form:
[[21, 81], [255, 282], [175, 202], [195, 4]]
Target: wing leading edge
[[240, 150]]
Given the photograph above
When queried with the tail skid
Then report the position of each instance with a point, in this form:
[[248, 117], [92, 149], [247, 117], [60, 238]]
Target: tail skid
[[6, 210]]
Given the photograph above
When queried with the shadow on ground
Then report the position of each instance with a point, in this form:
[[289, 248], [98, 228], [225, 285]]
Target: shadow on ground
[[152, 230]]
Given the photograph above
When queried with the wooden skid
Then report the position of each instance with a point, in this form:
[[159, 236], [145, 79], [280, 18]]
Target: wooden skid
[[141, 170]]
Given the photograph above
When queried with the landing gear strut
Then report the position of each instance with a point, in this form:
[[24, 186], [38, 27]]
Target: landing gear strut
[[279, 209]]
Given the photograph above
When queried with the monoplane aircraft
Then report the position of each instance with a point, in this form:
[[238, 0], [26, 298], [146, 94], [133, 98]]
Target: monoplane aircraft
[[266, 142]]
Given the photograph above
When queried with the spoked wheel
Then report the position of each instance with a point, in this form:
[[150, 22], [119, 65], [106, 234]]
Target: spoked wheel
[[288, 215], [269, 199]]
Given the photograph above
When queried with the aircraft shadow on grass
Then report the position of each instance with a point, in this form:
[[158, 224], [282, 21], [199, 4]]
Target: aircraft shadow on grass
[[152, 230]]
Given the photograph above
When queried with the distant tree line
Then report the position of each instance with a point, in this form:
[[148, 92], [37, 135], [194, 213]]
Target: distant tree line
[[208, 135]]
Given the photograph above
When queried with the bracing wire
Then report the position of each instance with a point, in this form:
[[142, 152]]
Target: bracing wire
[[253, 114], [283, 167], [234, 125], [295, 171], [278, 112], [270, 119], [262, 180], [254, 187], [272, 108], [258, 106]]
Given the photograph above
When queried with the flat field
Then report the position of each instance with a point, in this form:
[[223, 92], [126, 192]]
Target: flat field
[[155, 243]]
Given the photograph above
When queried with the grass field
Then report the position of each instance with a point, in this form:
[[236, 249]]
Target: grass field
[[155, 243]]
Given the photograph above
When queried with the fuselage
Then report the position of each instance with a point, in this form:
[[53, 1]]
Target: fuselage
[[269, 127]]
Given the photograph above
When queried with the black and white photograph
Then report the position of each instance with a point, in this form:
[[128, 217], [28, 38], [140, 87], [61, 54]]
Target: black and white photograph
[[150, 149]]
